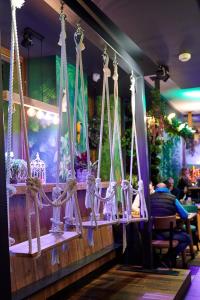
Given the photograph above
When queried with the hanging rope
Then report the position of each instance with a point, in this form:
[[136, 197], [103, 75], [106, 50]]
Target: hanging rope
[[110, 205], [128, 186], [9, 137], [143, 207], [34, 191]]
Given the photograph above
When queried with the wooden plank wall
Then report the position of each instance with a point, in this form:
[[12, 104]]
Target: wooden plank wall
[[26, 271]]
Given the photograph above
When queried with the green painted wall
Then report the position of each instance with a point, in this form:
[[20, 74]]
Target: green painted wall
[[42, 79], [170, 158]]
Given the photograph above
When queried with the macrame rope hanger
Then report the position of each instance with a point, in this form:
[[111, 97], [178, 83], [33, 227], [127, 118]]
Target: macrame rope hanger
[[129, 191], [35, 192], [94, 185]]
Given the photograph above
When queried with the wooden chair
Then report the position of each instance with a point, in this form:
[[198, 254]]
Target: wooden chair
[[166, 224]]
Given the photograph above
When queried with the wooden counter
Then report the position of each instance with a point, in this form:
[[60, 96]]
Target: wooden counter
[[30, 275], [81, 186]]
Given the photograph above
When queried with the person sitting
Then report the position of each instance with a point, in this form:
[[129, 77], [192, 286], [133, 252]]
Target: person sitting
[[163, 203], [173, 190], [184, 182]]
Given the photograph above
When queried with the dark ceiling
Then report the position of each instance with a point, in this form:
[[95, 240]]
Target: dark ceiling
[[43, 19], [162, 29]]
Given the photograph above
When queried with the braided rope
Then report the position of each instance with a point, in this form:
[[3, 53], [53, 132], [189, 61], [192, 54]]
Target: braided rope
[[10, 119]]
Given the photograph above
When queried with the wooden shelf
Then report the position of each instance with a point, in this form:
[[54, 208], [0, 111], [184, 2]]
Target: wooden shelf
[[48, 241], [29, 102], [21, 187], [101, 223]]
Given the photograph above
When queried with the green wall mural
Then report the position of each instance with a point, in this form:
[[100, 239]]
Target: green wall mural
[[170, 157], [42, 79], [81, 146], [43, 138]]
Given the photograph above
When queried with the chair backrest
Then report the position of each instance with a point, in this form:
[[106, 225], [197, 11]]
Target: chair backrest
[[164, 223], [191, 208]]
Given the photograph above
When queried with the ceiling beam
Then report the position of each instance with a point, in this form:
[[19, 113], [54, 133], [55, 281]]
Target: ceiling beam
[[100, 29]]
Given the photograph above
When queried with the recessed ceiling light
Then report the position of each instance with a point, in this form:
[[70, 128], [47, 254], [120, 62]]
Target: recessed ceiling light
[[185, 56]]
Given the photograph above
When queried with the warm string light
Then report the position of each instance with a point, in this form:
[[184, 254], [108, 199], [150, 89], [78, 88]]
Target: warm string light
[[48, 117]]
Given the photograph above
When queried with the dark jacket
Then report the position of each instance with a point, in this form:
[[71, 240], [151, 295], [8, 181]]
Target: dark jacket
[[162, 204]]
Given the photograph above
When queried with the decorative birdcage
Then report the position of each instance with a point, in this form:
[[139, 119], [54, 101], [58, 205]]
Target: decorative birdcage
[[38, 168]]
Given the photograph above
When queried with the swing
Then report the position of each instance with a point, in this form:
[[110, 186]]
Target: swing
[[93, 189], [127, 189], [35, 192]]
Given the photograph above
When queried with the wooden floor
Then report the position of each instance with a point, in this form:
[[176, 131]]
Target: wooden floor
[[116, 284], [194, 290]]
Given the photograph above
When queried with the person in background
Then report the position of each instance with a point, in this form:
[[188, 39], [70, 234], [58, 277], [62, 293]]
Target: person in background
[[173, 190], [163, 203], [136, 201], [184, 182]]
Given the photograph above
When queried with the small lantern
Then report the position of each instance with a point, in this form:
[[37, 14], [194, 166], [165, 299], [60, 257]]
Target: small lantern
[[38, 168]]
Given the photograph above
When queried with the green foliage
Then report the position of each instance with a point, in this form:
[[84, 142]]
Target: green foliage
[[18, 170], [175, 127], [94, 132]]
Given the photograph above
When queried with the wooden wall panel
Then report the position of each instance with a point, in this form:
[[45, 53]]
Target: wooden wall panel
[[26, 271]]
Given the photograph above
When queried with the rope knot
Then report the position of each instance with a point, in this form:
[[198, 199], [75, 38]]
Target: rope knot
[[90, 181], [72, 184], [125, 185], [113, 186], [115, 76], [33, 185], [107, 71], [132, 88], [140, 185], [56, 192], [98, 183]]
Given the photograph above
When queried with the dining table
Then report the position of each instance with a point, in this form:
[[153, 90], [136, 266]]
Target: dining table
[[191, 217]]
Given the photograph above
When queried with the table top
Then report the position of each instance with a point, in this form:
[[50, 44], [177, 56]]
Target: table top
[[196, 188], [190, 216]]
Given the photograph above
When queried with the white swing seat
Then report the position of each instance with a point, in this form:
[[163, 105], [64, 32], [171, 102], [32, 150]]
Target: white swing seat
[[93, 225], [99, 223], [48, 241], [132, 220]]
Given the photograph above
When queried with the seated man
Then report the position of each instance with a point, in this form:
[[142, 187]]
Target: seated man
[[173, 190], [163, 203]]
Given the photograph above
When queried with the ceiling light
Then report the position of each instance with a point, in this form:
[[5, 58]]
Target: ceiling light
[[96, 77], [192, 93], [185, 56]]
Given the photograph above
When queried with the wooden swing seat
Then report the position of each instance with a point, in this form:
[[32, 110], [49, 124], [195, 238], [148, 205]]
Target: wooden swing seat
[[48, 241], [100, 223], [132, 220]]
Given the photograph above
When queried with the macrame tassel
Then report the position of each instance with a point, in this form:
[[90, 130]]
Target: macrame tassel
[[69, 214], [90, 237], [56, 223], [110, 209], [143, 207], [90, 191], [55, 257], [96, 199]]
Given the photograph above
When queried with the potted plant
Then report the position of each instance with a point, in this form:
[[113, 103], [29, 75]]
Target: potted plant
[[18, 171]]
